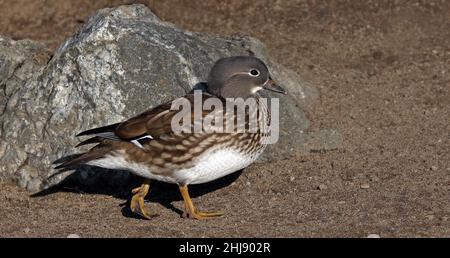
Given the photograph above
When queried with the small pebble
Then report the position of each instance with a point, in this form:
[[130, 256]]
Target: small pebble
[[373, 236], [374, 179], [365, 186], [73, 236], [248, 183], [341, 202], [434, 168], [26, 230], [322, 187], [430, 217], [301, 213]]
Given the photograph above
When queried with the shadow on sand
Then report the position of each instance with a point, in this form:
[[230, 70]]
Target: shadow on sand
[[162, 193]]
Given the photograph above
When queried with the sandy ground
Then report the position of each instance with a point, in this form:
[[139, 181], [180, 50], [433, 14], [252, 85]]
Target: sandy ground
[[382, 68]]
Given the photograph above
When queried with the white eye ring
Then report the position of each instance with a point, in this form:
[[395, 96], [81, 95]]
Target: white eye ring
[[254, 72]]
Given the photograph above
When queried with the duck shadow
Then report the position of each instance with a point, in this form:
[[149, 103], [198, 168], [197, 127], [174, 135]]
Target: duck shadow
[[100, 183]]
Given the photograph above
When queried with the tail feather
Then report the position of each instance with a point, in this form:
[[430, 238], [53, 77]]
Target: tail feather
[[98, 130], [100, 136], [95, 153], [94, 139]]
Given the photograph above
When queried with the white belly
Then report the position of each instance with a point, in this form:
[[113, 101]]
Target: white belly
[[209, 166], [216, 164]]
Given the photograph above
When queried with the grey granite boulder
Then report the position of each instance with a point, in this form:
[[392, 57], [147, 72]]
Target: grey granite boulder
[[21, 62], [122, 62]]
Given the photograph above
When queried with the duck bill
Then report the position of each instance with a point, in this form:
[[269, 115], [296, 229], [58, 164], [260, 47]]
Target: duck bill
[[272, 86]]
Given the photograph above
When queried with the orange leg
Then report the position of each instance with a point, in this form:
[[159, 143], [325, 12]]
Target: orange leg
[[191, 211], [137, 201]]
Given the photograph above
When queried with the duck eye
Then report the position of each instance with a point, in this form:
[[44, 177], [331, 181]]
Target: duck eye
[[254, 72]]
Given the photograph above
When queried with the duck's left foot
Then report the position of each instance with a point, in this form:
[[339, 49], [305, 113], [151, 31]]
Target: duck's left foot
[[137, 204]]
